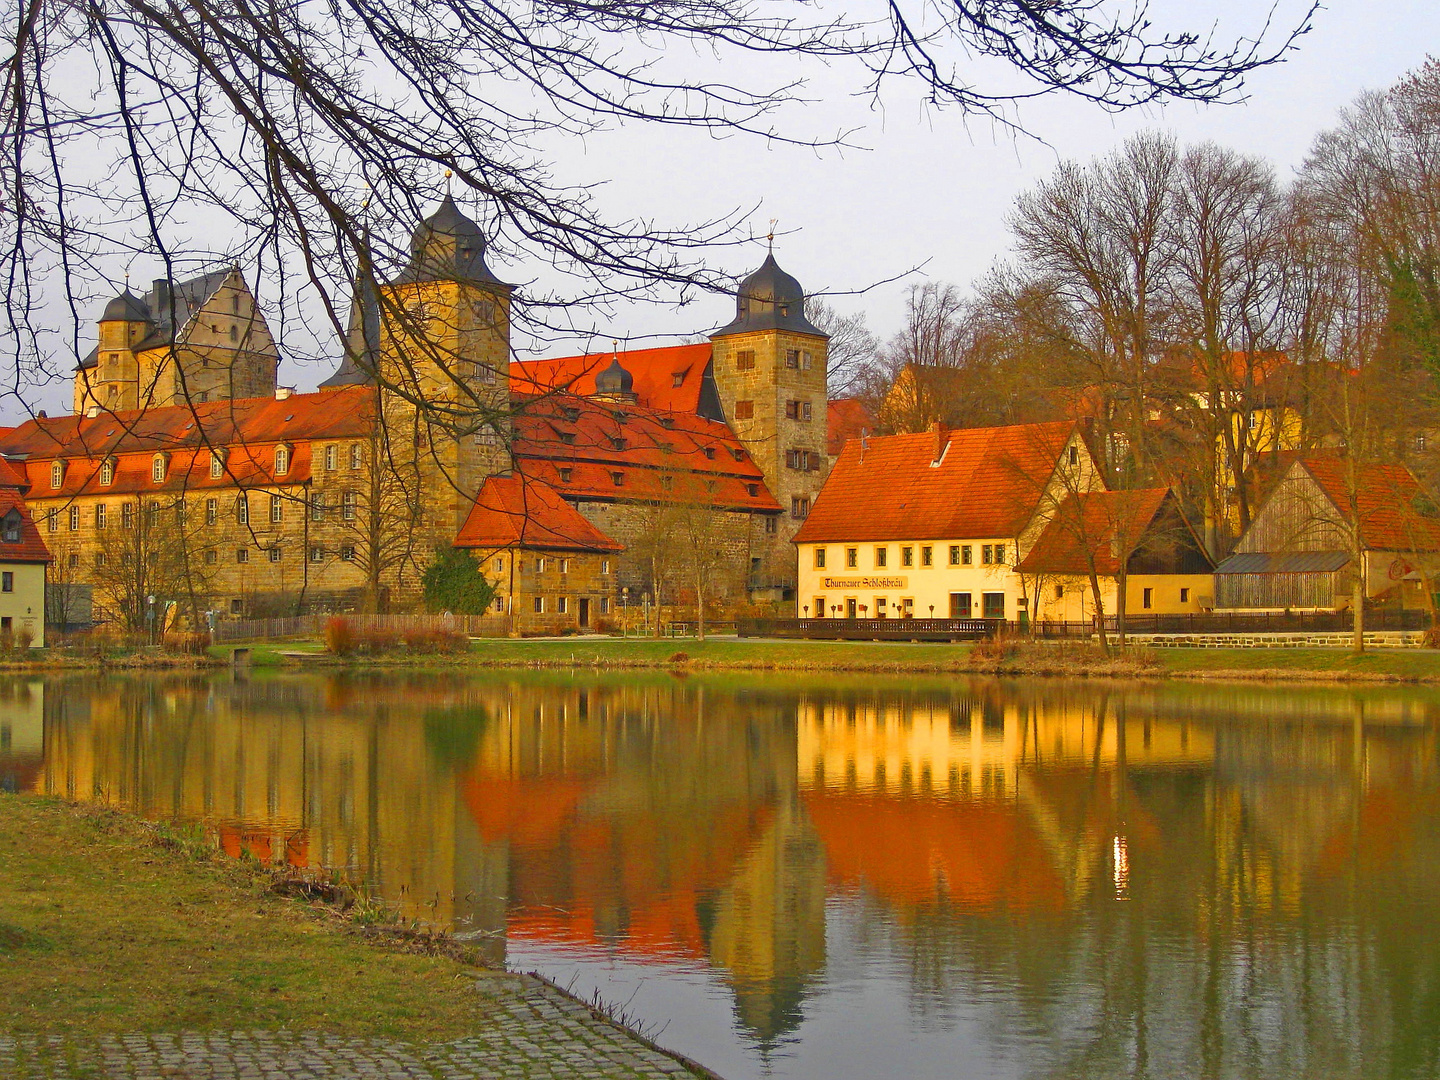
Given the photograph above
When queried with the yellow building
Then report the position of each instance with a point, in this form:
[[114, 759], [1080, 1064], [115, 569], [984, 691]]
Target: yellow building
[[24, 561]]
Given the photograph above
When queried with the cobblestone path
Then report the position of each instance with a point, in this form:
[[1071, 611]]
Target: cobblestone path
[[525, 1030]]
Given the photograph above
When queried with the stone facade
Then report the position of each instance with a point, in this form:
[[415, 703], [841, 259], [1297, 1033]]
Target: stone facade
[[553, 592]]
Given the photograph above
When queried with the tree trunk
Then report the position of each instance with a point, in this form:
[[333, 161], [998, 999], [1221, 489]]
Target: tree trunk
[[1121, 580], [1099, 613], [1357, 601], [699, 606]]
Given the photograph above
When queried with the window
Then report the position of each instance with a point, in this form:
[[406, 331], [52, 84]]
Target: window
[[1073, 455], [1420, 443], [805, 361], [604, 566], [539, 605], [798, 410], [499, 605], [211, 556], [11, 527], [954, 554], [242, 508], [1059, 592], [880, 607], [152, 514], [74, 560], [565, 472], [57, 473], [1184, 595], [999, 554], [965, 555], [617, 442], [217, 464], [745, 360], [52, 519], [753, 490], [274, 554], [604, 605], [987, 553], [882, 556], [852, 558], [355, 455], [347, 506], [792, 359], [709, 452], [330, 457], [927, 556], [157, 469], [282, 460], [667, 483], [107, 471], [317, 506], [562, 604], [347, 553], [242, 555], [7, 581], [744, 410], [234, 333], [819, 607], [212, 511], [771, 525], [802, 460], [799, 506], [127, 515], [99, 558], [277, 509], [992, 605], [180, 513], [677, 378], [237, 607], [819, 558], [1145, 597], [907, 556], [564, 568], [75, 518], [617, 478], [540, 565]]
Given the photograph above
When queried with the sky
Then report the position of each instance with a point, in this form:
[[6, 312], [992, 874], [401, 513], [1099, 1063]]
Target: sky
[[931, 190]]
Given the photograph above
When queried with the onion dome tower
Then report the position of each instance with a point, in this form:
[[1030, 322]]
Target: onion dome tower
[[769, 299]]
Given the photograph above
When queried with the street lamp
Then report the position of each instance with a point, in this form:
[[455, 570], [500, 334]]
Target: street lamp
[[625, 611]]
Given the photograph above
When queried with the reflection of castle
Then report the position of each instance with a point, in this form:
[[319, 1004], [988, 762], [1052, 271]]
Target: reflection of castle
[[666, 821]]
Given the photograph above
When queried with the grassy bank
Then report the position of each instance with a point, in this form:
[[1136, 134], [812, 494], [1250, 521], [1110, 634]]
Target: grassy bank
[[106, 928], [888, 658]]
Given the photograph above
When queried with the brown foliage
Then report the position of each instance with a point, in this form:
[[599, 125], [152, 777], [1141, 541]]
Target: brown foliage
[[339, 637]]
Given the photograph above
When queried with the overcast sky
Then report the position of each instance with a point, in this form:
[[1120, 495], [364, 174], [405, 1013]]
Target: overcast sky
[[931, 189]]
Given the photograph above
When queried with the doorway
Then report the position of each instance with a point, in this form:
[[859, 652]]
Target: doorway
[[850, 609], [584, 613]]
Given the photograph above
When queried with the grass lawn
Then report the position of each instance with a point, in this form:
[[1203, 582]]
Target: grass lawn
[[1403, 663], [102, 929]]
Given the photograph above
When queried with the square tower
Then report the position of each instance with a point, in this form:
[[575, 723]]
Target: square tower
[[769, 366]]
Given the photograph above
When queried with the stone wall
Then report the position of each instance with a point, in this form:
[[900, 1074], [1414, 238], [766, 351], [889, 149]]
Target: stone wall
[[1413, 639]]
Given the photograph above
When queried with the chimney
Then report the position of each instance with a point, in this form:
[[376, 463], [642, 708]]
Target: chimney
[[40, 415], [938, 434], [161, 288], [92, 412], [283, 392]]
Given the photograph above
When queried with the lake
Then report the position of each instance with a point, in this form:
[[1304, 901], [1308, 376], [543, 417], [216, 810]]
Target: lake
[[843, 876]]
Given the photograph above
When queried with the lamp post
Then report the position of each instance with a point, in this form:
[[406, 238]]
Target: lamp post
[[625, 611]]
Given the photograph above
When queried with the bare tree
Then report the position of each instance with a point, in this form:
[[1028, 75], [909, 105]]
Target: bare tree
[[149, 553], [851, 353]]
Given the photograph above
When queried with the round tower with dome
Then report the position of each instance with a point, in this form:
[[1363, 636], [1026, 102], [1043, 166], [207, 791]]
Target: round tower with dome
[[769, 366]]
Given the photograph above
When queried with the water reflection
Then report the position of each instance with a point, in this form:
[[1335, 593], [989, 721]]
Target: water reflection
[[969, 877]]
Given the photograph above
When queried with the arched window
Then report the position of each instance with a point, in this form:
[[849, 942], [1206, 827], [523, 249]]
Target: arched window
[[157, 468], [57, 474], [282, 460], [217, 464], [107, 471]]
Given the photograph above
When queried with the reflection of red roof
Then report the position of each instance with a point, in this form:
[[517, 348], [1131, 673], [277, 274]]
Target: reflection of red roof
[[987, 483], [916, 851], [1384, 502], [527, 813], [594, 440], [845, 419], [516, 511], [29, 548], [667, 378], [1105, 523]]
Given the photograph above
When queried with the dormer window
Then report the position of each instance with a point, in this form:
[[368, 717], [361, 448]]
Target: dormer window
[[677, 379], [737, 453], [57, 474], [618, 442], [158, 467], [618, 478], [107, 471], [217, 464], [10, 527], [565, 474], [708, 451], [282, 460], [571, 414], [568, 438]]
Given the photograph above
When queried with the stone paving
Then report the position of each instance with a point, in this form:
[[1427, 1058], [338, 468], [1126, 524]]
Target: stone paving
[[525, 1029]]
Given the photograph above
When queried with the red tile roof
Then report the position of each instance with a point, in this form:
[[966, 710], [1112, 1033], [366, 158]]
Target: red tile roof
[[845, 419], [328, 414], [594, 440], [12, 476], [667, 378], [987, 483], [30, 547], [247, 465], [1094, 521], [518, 511], [1385, 502]]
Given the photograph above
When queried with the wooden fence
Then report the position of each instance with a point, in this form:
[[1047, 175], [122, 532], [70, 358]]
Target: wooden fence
[[872, 629], [313, 626]]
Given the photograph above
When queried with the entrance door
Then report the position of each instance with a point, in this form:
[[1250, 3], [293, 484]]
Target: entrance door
[[584, 612], [850, 607], [959, 605]]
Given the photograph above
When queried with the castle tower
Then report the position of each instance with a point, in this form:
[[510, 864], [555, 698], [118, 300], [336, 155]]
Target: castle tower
[[769, 366], [444, 359], [110, 376]]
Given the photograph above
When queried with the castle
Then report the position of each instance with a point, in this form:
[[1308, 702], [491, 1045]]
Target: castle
[[658, 473]]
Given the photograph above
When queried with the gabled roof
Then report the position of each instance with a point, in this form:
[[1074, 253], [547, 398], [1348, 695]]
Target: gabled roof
[[518, 511], [845, 419], [594, 439], [329, 414], [30, 548], [1106, 522], [987, 482], [13, 476], [188, 298], [668, 378], [1388, 502]]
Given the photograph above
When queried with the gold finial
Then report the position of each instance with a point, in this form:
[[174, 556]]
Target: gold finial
[[448, 175], [615, 347], [770, 236]]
